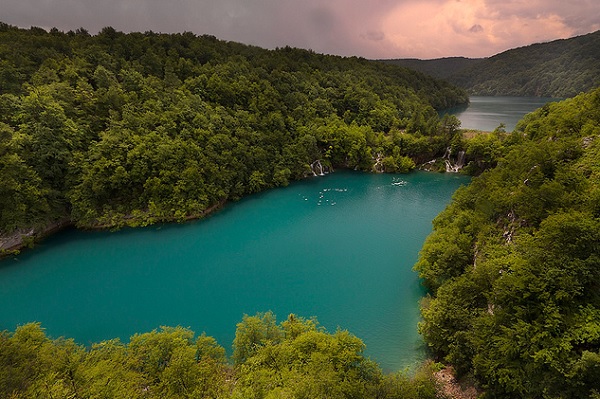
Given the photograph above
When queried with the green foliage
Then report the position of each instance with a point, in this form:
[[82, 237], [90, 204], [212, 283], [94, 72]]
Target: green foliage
[[483, 151], [253, 333], [421, 385], [131, 129], [560, 69], [23, 200], [513, 262], [306, 363], [296, 359]]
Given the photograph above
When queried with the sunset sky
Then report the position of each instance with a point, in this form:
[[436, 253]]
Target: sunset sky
[[367, 28]]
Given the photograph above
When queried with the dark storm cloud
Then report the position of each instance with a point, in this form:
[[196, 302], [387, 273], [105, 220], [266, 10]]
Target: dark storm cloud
[[476, 28], [375, 28], [322, 19]]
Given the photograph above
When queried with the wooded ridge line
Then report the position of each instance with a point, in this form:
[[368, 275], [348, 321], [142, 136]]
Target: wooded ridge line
[[560, 69], [132, 129]]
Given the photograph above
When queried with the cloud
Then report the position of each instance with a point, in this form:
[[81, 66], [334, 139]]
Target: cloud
[[434, 28], [372, 29], [375, 36], [476, 28]]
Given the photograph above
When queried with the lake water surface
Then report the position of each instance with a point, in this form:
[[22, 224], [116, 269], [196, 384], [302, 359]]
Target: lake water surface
[[339, 247], [487, 113]]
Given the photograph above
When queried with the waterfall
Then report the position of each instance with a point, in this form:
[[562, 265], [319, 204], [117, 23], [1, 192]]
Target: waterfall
[[454, 167], [317, 168], [378, 165], [447, 153], [460, 162]]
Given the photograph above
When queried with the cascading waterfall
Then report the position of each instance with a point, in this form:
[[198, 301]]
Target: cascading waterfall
[[317, 168], [378, 164], [458, 165]]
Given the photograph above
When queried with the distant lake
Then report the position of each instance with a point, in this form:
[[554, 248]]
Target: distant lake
[[487, 113], [339, 247]]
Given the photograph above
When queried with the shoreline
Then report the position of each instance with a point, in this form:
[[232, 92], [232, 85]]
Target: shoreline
[[26, 238], [208, 211]]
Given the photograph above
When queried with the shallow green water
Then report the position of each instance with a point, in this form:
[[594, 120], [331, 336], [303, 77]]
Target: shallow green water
[[339, 247]]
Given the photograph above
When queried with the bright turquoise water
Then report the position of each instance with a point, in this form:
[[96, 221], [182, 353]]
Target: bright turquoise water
[[488, 112], [339, 247]]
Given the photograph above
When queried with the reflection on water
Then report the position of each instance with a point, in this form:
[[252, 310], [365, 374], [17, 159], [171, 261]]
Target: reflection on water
[[487, 113]]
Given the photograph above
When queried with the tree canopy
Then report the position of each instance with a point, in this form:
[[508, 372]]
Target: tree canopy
[[130, 129], [293, 359], [561, 68], [513, 263]]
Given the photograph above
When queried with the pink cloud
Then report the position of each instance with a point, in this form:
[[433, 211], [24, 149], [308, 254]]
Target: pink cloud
[[478, 28], [372, 29]]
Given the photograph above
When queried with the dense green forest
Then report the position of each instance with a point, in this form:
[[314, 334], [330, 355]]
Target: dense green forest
[[443, 68], [513, 264], [130, 129], [560, 69], [293, 359]]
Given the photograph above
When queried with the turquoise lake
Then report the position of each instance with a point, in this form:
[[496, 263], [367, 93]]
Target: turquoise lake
[[339, 247]]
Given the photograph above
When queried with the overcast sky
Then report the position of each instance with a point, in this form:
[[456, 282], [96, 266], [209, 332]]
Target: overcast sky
[[367, 28]]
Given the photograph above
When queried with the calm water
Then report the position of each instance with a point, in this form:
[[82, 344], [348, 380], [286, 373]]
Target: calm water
[[339, 247], [487, 113]]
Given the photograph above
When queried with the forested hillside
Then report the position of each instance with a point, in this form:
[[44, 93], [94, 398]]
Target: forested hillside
[[561, 68], [130, 129], [443, 68], [513, 263]]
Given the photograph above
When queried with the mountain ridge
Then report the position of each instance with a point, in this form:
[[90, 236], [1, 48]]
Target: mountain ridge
[[560, 68]]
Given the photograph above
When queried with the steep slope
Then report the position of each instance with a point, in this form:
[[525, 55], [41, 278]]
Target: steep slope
[[442, 68], [130, 129], [513, 263], [561, 68]]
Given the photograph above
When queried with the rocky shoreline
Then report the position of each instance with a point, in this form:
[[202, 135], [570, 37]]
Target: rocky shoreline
[[25, 238]]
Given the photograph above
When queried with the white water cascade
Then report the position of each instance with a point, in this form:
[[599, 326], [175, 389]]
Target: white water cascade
[[318, 169], [454, 167], [378, 164]]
